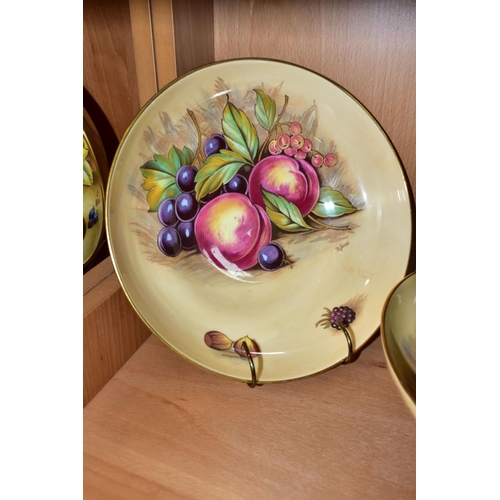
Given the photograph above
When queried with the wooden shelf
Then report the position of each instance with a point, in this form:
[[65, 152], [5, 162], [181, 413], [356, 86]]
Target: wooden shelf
[[164, 428]]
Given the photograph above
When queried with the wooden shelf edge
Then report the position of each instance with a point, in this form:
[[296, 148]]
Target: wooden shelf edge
[[112, 330]]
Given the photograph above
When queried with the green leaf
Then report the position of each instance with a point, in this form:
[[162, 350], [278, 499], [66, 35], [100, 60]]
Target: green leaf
[[218, 169], [175, 159], [284, 213], [88, 176], [239, 133], [265, 109], [186, 156], [332, 203], [160, 175]]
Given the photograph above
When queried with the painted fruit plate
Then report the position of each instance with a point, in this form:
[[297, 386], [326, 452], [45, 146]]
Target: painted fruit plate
[[398, 331], [252, 204], [93, 191]]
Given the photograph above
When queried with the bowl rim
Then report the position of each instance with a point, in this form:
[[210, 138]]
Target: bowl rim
[[409, 396]]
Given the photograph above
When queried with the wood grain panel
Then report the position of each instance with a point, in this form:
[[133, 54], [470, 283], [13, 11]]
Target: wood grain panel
[[144, 56], [97, 274], [112, 331], [109, 69], [366, 47], [194, 33], [164, 43], [163, 428]]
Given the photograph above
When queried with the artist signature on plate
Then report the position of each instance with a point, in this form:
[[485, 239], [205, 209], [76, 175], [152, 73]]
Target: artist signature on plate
[[341, 246]]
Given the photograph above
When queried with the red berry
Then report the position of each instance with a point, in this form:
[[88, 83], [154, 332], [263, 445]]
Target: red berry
[[295, 128], [297, 141], [317, 160], [284, 141], [290, 151], [274, 149], [300, 155], [307, 146], [330, 160]]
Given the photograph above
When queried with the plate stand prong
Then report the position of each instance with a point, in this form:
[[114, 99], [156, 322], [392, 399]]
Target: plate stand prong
[[252, 366], [349, 342]]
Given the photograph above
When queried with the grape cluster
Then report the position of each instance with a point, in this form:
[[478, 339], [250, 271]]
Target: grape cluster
[[343, 314], [178, 215], [294, 144]]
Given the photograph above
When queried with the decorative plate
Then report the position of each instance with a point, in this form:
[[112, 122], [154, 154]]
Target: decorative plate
[[93, 191], [398, 332], [254, 203]]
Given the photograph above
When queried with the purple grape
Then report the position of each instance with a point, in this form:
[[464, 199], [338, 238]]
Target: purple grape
[[188, 238], [185, 178], [238, 184], [214, 144], [166, 212], [169, 241], [271, 257], [186, 207]]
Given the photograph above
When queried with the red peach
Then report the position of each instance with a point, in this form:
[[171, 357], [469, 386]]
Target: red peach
[[265, 236], [229, 229], [292, 178]]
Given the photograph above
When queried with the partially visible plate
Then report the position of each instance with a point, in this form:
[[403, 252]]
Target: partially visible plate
[[318, 177], [94, 167], [399, 333]]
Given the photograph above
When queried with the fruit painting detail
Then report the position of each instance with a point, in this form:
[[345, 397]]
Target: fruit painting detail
[[220, 342], [93, 217], [235, 193], [93, 208], [343, 314]]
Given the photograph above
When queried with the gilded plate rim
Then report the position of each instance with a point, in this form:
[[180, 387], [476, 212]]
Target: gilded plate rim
[[404, 179]]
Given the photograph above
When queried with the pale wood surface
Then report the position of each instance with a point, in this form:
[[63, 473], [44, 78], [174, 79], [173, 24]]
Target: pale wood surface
[[144, 54], [194, 34], [366, 47], [163, 40], [112, 330], [164, 428], [95, 275], [109, 68]]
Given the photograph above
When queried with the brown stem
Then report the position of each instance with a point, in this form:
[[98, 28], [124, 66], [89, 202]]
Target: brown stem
[[198, 149]]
